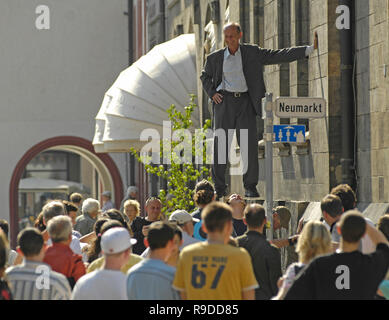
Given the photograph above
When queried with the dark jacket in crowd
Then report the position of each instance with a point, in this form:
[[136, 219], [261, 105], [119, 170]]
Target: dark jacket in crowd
[[266, 260], [136, 227]]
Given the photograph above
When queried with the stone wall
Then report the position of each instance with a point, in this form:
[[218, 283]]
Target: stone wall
[[300, 175], [303, 176], [372, 84]]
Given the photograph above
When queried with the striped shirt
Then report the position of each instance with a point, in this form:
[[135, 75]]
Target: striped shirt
[[36, 281]]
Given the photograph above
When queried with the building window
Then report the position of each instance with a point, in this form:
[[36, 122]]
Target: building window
[[259, 23], [197, 12], [46, 167], [57, 165], [245, 19], [227, 13], [179, 29]]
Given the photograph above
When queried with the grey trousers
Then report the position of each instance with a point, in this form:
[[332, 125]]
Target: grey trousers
[[235, 113]]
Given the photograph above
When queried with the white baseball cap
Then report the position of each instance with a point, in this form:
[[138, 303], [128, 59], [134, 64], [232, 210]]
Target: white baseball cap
[[116, 240], [182, 217]]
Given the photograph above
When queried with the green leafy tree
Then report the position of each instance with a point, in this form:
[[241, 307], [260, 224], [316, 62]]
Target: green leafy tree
[[179, 174]]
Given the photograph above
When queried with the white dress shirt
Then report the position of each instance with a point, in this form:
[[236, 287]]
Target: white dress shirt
[[74, 245], [233, 79], [309, 50], [233, 76]]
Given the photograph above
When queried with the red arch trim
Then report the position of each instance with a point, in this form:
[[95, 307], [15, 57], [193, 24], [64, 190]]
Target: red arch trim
[[49, 143]]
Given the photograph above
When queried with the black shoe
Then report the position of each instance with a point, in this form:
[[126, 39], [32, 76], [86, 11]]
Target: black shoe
[[251, 193], [220, 194]]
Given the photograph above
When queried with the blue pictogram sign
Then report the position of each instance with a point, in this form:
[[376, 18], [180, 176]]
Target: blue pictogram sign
[[289, 133]]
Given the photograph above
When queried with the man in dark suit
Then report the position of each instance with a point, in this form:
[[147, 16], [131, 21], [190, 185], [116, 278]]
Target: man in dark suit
[[233, 79], [265, 257]]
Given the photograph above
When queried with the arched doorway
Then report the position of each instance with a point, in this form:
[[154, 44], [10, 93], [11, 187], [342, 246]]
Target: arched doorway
[[103, 163]]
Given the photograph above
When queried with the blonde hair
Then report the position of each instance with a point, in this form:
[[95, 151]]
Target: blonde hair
[[133, 203], [4, 250], [315, 240]]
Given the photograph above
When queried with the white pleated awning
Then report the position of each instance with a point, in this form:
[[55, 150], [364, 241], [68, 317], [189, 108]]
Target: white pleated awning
[[33, 184], [143, 92]]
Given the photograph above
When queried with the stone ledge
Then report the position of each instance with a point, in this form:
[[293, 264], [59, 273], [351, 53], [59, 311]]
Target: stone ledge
[[311, 211], [285, 149], [303, 149], [373, 211]]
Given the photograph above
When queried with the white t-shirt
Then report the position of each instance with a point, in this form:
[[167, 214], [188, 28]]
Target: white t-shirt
[[11, 257], [146, 254], [367, 245], [187, 240], [84, 248], [74, 245], [290, 275], [101, 284]]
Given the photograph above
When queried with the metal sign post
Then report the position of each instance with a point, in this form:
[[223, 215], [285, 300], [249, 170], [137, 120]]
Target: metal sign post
[[267, 106], [285, 107]]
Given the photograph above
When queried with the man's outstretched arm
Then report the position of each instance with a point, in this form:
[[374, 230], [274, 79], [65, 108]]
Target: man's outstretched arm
[[286, 55], [269, 56]]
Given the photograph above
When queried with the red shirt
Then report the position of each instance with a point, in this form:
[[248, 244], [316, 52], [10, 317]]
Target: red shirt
[[63, 260]]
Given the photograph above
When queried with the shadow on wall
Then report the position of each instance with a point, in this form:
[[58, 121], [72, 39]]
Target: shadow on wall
[[288, 171], [362, 85], [307, 170]]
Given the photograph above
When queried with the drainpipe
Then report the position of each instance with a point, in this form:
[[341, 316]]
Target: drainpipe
[[162, 7], [130, 32], [347, 100]]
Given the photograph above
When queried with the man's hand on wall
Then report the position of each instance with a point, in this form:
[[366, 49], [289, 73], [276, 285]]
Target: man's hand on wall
[[316, 41]]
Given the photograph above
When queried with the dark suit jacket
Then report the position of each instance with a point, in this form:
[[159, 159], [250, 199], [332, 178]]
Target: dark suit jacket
[[136, 227], [253, 60], [266, 260]]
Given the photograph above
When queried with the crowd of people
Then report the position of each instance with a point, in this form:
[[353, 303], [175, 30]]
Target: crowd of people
[[86, 250]]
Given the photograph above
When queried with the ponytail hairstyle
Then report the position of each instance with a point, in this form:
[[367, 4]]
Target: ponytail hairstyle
[[38, 223], [4, 250], [203, 193], [94, 249]]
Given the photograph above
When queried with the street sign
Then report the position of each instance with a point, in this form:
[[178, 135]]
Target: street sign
[[305, 108], [289, 133]]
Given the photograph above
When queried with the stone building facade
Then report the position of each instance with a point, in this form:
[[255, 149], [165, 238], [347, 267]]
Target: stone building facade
[[305, 173]]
